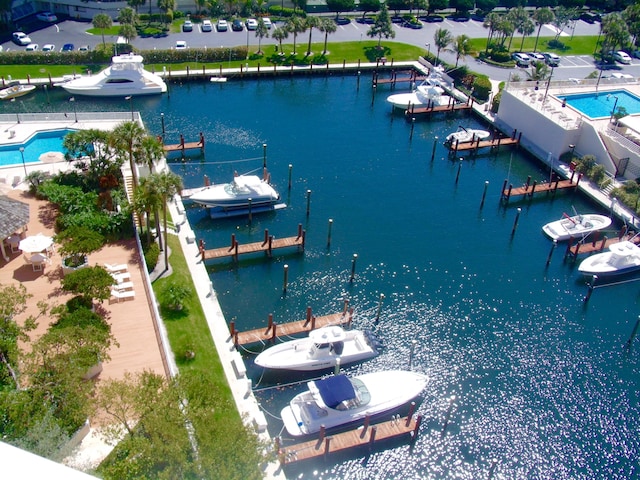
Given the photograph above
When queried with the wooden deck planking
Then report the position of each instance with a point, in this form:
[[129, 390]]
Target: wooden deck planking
[[597, 244], [182, 146], [267, 245], [358, 437], [478, 144], [435, 109], [531, 188], [272, 330]]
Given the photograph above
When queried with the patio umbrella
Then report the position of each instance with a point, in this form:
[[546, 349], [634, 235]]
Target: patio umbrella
[[51, 157], [35, 243]]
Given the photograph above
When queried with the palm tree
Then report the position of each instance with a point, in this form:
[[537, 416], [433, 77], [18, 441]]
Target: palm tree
[[125, 139], [149, 151], [166, 6], [517, 16], [539, 71], [166, 184], [261, 32], [311, 22], [128, 16], [295, 25], [526, 29], [327, 25], [541, 17], [491, 21], [442, 38], [102, 21], [461, 46], [145, 201], [128, 31], [279, 34]]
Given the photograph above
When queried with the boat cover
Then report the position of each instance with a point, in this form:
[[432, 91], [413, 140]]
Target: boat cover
[[335, 390]]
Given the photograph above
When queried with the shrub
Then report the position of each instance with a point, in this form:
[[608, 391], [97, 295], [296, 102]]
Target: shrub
[[556, 44], [495, 104], [151, 255], [482, 87]]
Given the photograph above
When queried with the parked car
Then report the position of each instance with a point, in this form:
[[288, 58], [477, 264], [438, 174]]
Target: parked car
[[342, 20], [590, 17], [49, 47], [621, 57], [434, 19], [222, 25], [181, 45], [67, 47], [84, 48], [267, 22], [251, 23], [49, 17], [237, 26], [552, 59], [21, 38], [187, 26], [32, 47], [521, 59], [635, 54], [206, 26], [536, 56]]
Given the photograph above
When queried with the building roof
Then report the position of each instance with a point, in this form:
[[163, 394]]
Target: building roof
[[14, 215]]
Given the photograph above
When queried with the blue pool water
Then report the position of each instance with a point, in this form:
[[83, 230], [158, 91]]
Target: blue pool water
[[544, 386], [41, 142], [597, 105]]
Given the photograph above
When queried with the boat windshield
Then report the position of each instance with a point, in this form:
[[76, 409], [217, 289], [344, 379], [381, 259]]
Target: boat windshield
[[235, 189], [342, 393]]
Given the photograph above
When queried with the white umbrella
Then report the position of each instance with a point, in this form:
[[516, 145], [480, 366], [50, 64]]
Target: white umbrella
[[35, 243]]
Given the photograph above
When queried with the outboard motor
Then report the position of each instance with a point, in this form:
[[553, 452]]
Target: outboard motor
[[338, 347]]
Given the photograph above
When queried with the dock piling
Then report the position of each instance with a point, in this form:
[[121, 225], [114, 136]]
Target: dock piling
[[459, 168], [329, 233], [515, 222], [308, 201], [484, 194], [379, 307], [353, 266], [290, 168], [590, 287], [553, 247], [633, 334], [372, 437], [285, 279], [433, 151], [413, 124], [365, 426]]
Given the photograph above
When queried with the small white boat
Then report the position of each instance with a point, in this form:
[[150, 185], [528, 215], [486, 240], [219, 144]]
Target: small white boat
[[341, 400], [236, 195], [622, 257], [126, 76], [320, 350], [578, 226], [428, 93], [15, 91], [465, 135]]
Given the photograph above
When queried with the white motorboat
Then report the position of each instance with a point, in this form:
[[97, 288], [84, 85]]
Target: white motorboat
[[320, 350], [340, 400], [126, 76], [578, 226], [622, 257], [465, 135], [15, 91], [242, 191], [428, 93]]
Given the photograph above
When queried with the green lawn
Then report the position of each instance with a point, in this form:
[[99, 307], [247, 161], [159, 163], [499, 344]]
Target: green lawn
[[573, 46]]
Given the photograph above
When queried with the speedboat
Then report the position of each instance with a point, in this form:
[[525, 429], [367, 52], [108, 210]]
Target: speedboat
[[622, 257], [428, 93], [578, 226], [340, 400], [321, 349], [465, 135], [126, 76], [243, 191], [15, 91]]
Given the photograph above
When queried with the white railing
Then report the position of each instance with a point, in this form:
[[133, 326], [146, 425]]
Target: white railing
[[68, 116]]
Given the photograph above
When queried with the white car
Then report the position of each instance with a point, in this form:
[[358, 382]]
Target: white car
[[181, 45], [21, 38], [32, 47], [521, 59], [222, 25], [206, 26], [621, 57], [267, 22], [49, 47], [47, 17], [252, 24]]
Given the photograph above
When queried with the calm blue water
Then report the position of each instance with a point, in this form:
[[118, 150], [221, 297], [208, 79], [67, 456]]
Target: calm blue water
[[595, 105], [544, 387], [38, 144]]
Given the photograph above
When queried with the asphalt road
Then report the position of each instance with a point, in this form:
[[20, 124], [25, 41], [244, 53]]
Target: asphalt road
[[573, 66]]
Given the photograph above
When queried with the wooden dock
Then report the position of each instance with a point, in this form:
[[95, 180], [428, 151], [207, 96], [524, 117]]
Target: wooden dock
[[493, 144], [529, 189], [396, 77], [272, 330], [597, 244], [363, 436], [452, 106], [267, 245], [183, 146]]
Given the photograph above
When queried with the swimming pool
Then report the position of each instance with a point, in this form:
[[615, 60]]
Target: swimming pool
[[601, 104], [41, 142]]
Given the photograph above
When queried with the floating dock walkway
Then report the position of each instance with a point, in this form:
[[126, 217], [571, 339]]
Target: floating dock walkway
[[267, 245], [272, 330], [597, 244], [396, 77], [529, 189], [363, 436], [183, 146], [493, 144], [452, 106]]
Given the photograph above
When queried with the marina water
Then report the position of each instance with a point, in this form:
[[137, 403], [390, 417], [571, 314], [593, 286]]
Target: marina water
[[529, 380]]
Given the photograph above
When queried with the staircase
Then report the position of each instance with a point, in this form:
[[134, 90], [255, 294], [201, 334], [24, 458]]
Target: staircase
[[128, 186]]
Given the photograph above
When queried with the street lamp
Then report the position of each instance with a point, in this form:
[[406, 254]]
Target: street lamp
[[428, 45], [23, 164], [75, 113], [130, 98], [615, 104]]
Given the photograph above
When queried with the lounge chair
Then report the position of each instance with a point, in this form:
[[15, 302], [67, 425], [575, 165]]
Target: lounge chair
[[121, 277], [120, 287], [122, 267], [122, 295]]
